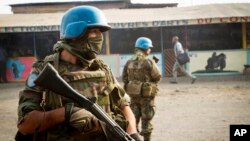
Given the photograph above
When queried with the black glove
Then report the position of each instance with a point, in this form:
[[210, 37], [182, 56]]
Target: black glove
[[136, 136]]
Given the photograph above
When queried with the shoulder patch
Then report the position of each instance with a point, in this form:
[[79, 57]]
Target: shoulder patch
[[30, 80]]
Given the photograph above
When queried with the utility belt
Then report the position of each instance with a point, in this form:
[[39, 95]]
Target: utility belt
[[137, 88]]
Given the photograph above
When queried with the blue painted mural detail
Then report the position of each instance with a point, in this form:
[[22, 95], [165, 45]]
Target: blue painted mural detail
[[16, 68]]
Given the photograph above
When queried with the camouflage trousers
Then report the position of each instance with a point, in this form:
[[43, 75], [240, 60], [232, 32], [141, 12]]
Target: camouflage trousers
[[144, 110]]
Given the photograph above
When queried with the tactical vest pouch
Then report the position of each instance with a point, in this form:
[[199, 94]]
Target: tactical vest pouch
[[133, 88], [149, 89], [88, 83]]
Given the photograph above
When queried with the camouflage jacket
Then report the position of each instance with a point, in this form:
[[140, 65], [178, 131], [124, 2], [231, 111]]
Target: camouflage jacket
[[98, 83]]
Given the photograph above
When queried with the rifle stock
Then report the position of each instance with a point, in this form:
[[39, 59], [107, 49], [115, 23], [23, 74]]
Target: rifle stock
[[155, 59], [51, 80]]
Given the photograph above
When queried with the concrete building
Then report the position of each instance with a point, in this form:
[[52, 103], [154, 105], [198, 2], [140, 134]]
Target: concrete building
[[55, 7], [220, 28]]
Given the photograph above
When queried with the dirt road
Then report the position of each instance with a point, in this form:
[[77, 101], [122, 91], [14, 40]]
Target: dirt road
[[185, 112]]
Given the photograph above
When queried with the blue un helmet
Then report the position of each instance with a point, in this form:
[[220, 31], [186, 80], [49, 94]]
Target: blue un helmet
[[78, 19], [143, 43]]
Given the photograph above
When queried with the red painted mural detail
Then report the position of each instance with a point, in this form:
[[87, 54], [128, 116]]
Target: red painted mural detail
[[19, 68]]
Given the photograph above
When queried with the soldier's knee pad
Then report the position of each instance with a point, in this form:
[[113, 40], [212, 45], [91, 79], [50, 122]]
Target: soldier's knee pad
[[148, 113]]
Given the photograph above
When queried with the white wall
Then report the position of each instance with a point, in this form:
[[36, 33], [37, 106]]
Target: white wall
[[235, 59]]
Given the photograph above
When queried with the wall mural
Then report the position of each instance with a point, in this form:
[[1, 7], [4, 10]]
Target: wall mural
[[18, 68], [216, 62]]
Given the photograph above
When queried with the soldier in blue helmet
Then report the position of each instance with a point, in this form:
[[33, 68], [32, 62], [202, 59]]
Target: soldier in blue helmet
[[45, 116], [141, 76]]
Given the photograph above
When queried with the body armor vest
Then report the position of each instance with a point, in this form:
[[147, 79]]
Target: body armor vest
[[95, 85]]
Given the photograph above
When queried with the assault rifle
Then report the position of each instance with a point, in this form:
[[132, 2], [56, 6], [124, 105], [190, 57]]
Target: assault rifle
[[51, 80]]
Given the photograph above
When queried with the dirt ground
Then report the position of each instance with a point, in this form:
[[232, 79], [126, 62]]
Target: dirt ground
[[184, 112]]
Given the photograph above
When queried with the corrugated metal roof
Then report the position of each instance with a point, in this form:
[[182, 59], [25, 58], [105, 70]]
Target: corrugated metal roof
[[49, 1], [178, 13], [135, 15], [13, 20]]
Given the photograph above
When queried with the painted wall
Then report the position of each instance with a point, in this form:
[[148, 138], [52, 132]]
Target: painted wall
[[248, 56], [19, 68], [235, 59], [113, 61]]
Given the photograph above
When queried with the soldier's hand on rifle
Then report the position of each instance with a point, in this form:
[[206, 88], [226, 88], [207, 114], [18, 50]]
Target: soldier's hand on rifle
[[82, 120]]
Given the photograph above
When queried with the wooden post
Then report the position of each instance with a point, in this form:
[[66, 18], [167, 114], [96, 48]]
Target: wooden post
[[34, 44], [186, 37], [107, 43], [244, 36]]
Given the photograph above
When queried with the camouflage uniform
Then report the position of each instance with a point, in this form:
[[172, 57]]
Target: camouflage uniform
[[142, 69], [98, 83]]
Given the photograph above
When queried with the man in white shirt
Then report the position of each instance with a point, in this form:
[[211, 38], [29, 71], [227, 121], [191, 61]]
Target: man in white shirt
[[178, 49]]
